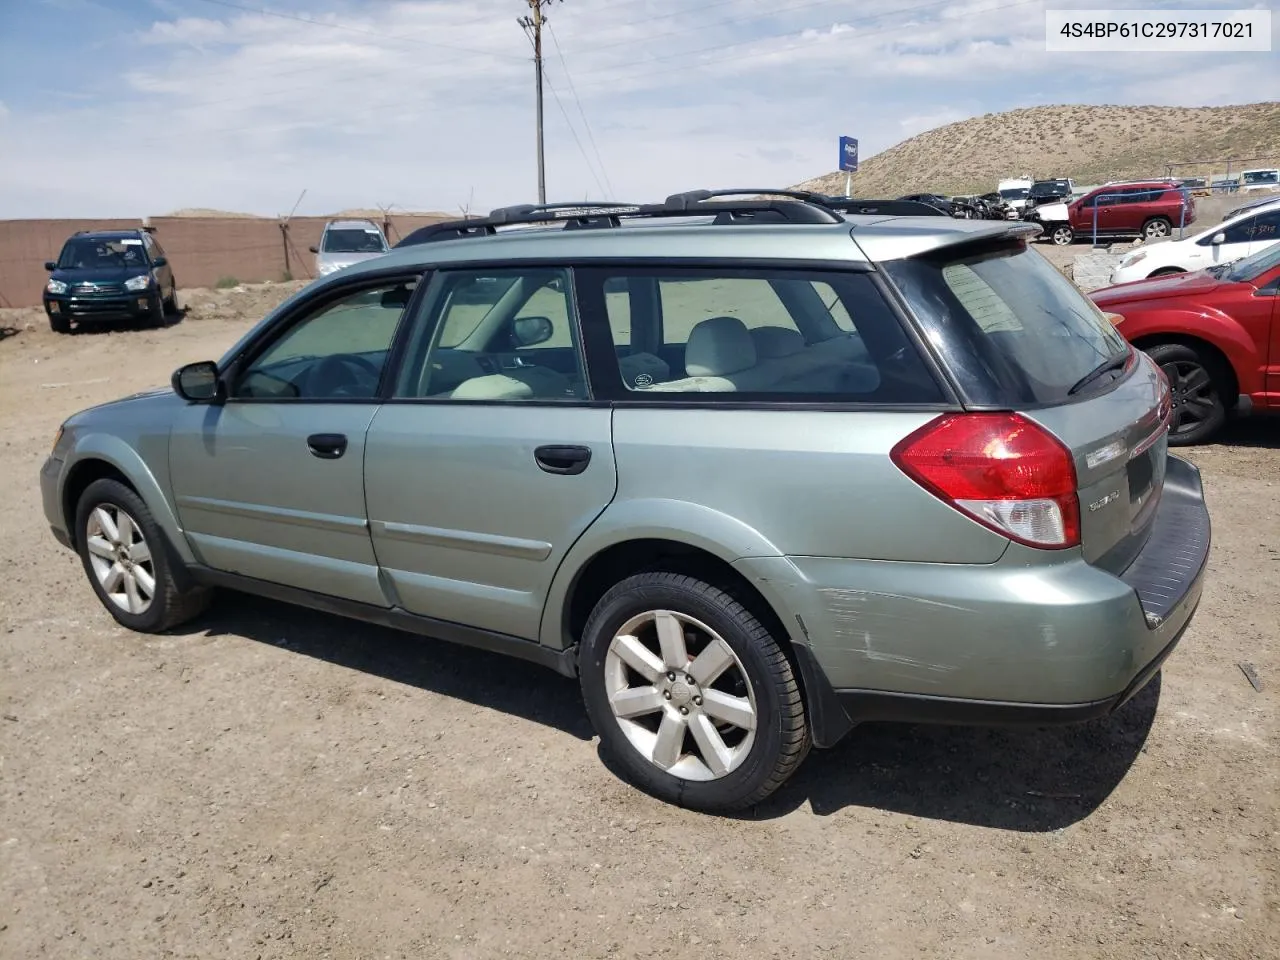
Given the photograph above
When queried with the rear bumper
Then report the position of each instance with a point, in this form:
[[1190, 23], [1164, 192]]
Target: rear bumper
[[1009, 642]]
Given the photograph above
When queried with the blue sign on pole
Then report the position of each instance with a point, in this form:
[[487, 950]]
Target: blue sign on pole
[[849, 154]]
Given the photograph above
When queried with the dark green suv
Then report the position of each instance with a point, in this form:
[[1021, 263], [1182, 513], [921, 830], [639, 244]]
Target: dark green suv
[[110, 275]]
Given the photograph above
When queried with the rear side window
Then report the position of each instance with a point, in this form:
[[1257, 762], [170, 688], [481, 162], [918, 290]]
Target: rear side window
[[1014, 330], [756, 335]]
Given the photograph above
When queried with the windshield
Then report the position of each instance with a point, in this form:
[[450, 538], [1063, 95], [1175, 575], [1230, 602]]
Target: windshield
[[85, 253], [1016, 330], [1051, 189], [1261, 176], [1255, 265], [353, 240], [1015, 193]]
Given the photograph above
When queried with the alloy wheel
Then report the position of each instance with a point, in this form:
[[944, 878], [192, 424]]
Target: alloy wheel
[[680, 695], [121, 558], [1192, 393]]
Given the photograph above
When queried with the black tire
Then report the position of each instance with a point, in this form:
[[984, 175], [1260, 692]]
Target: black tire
[[157, 316], [169, 606], [1157, 227], [781, 731], [1198, 382], [60, 324], [1061, 234], [1165, 272], [170, 304]]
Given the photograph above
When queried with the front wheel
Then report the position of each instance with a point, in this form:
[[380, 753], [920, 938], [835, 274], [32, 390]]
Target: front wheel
[[1061, 234], [690, 693], [1196, 382], [122, 549]]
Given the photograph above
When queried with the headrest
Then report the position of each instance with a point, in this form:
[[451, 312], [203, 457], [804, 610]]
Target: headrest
[[719, 346], [492, 387], [773, 342]]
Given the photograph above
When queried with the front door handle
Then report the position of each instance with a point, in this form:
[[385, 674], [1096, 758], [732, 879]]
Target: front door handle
[[327, 446], [562, 459]]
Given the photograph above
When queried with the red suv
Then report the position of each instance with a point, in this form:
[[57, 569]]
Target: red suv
[[1148, 208]]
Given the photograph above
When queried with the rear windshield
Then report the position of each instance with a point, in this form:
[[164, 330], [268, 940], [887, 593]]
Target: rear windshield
[[1013, 330], [353, 240]]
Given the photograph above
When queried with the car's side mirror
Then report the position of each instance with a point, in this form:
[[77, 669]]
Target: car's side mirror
[[50, 265], [159, 262], [530, 331], [314, 249], [198, 382], [1218, 238]]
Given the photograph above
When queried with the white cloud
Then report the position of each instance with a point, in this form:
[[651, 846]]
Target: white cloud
[[417, 103]]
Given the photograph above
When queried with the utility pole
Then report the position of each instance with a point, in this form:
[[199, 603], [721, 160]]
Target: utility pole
[[533, 30]]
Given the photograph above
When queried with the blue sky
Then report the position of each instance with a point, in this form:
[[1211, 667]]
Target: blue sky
[[133, 107]]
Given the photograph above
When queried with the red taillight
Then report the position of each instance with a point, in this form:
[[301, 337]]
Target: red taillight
[[1003, 470]]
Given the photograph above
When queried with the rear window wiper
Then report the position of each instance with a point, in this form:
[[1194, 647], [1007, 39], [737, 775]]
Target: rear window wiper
[[1114, 363]]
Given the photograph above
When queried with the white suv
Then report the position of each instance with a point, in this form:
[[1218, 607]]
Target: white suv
[[1236, 237]]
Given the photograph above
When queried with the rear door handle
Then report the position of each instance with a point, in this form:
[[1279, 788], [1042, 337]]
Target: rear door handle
[[327, 446], [562, 459]]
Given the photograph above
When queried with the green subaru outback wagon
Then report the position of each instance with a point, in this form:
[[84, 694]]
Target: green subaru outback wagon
[[754, 468]]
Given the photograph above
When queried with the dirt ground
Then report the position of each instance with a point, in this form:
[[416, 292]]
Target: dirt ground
[[272, 783]]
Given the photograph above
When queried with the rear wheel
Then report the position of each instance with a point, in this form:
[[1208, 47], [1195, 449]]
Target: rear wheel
[[1157, 228], [690, 693], [1061, 234], [123, 552], [1197, 382]]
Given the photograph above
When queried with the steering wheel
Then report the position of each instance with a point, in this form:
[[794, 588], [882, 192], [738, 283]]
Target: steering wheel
[[343, 375]]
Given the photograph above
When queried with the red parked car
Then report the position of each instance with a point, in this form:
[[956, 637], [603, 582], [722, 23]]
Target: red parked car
[[1151, 209], [1214, 332]]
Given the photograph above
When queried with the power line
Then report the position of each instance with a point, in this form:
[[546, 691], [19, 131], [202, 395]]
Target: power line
[[555, 96], [581, 112]]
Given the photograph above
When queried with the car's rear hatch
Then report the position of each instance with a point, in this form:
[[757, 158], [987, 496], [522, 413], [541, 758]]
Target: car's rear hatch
[[1016, 335]]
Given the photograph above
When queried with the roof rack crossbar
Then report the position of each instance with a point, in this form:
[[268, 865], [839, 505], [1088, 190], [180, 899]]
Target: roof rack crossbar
[[680, 201]]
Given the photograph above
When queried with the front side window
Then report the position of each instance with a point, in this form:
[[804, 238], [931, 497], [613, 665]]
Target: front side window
[[503, 334], [336, 353], [1011, 318], [1240, 232], [763, 334]]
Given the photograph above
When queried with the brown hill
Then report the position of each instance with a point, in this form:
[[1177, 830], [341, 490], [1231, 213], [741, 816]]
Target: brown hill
[[1092, 144]]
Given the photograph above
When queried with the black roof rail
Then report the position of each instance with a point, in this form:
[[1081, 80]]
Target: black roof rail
[[446, 230], [888, 208], [794, 207], [681, 201], [553, 212]]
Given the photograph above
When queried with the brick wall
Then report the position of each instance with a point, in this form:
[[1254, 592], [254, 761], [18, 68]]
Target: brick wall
[[201, 250]]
